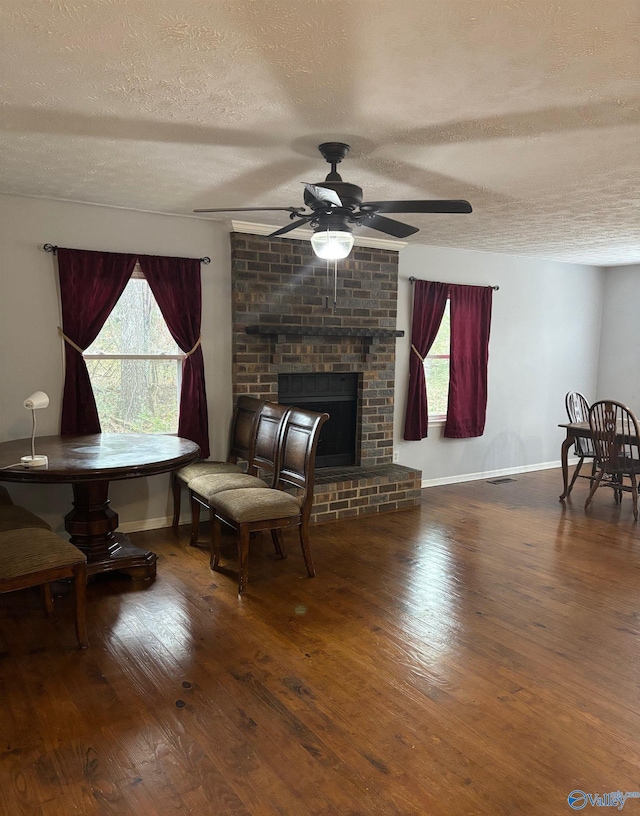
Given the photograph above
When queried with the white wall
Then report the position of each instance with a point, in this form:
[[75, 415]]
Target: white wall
[[31, 355], [619, 372], [545, 338]]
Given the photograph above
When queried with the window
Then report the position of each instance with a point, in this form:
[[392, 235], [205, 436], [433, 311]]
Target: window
[[436, 369], [136, 366]]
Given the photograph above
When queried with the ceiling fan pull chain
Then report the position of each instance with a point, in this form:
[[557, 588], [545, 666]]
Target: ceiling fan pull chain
[[326, 297], [335, 283]]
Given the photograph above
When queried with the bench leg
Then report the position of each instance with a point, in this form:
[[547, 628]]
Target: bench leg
[[80, 583]]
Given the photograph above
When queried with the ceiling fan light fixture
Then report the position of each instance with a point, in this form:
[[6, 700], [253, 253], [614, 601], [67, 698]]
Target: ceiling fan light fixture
[[332, 245]]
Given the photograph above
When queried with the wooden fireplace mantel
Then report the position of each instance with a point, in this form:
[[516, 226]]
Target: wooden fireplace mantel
[[324, 331], [279, 332]]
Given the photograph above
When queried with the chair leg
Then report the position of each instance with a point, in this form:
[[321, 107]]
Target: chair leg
[[634, 495], [176, 486], [80, 583], [278, 542], [618, 493], [576, 472], [303, 530], [594, 487], [216, 540], [243, 558], [48, 598], [195, 521]]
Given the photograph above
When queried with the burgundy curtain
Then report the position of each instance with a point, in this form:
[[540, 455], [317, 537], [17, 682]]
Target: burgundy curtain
[[90, 285], [429, 302], [470, 324], [175, 283]]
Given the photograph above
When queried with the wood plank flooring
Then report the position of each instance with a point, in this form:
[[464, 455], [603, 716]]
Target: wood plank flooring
[[477, 655]]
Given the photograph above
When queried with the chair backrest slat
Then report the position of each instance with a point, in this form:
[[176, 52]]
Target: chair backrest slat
[[243, 428], [578, 411], [614, 429], [297, 462], [271, 422]]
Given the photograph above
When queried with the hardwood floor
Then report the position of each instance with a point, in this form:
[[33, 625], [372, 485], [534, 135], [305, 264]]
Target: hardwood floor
[[478, 655]]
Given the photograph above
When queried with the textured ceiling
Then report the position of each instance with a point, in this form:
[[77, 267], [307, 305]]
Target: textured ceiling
[[527, 108]]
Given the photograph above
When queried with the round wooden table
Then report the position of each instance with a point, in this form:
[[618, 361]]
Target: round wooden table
[[89, 463]]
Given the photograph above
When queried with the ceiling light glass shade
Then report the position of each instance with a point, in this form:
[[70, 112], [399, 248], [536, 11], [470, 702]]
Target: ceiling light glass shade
[[332, 245]]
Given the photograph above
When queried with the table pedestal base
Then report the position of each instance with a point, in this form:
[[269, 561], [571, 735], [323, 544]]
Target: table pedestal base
[[138, 564], [92, 524]]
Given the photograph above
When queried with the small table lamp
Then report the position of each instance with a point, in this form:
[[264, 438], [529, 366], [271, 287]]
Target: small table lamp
[[37, 400]]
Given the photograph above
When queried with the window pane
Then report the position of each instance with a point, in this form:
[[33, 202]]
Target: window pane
[[135, 326], [437, 372], [136, 396], [441, 343]]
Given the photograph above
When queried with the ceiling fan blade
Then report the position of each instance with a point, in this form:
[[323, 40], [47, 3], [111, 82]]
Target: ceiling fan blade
[[454, 206], [290, 227], [294, 210], [323, 193], [388, 225]]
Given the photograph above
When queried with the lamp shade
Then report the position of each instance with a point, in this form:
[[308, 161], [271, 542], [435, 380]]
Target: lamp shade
[[37, 400], [332, 245]]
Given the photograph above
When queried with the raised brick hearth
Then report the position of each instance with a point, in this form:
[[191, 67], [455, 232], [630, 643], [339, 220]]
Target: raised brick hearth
[[284, 322]]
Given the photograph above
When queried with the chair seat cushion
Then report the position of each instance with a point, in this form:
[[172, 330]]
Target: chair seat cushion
[[28, 551], [14, 517], [255, 505], [207, 486], [204, 468]]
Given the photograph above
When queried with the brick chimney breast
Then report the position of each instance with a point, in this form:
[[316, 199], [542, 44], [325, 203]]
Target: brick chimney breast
[[280, 290]]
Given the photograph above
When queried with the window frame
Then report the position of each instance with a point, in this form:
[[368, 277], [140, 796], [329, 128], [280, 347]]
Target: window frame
[[137, 274], [438, 419]]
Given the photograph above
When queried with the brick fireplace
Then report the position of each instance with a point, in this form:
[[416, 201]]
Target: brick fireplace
[[285, 323]]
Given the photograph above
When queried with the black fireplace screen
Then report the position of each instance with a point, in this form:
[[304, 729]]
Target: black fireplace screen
[[337, 394]]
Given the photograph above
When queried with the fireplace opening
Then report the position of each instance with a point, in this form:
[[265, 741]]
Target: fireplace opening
[[337, 394]]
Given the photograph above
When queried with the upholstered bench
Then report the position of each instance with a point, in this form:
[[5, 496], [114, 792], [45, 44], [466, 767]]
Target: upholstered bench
[[13, 517], [32, 555]]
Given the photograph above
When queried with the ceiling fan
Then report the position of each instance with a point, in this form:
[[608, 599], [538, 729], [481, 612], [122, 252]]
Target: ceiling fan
[[335, 205]]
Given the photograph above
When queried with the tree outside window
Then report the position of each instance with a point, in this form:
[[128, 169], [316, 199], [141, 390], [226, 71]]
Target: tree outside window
[[135, 366], [436, 369]]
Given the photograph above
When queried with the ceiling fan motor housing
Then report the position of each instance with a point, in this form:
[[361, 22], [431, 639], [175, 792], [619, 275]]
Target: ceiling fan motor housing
[[333, 220]]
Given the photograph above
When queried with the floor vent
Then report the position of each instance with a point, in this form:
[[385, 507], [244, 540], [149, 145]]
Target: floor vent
[[500, 481]]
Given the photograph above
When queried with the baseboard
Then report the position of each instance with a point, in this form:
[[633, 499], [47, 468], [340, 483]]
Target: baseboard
[[493, 474], [165, 521], [153, 524]]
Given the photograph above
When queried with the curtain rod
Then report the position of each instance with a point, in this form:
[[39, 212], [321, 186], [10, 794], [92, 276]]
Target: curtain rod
[[53, 248], [412, 279]]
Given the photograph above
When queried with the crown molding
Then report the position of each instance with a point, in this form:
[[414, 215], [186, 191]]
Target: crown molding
[[305, 234]]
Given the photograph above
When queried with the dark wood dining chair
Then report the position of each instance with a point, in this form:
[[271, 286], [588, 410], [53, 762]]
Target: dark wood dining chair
[[614, 430], [262, 465], [242, 437], [287, 504], [578, 411]]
